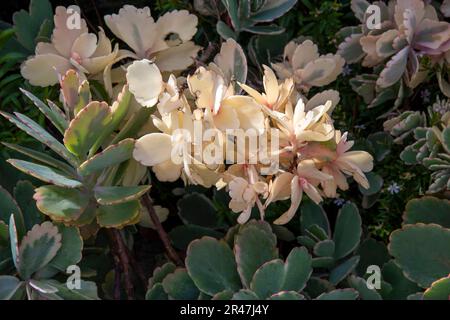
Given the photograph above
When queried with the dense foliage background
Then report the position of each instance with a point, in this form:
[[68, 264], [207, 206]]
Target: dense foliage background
[[393, 183]]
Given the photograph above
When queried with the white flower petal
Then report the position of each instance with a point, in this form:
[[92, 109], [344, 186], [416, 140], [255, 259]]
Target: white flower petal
[[153, 149], [145, 81], [43, 70]]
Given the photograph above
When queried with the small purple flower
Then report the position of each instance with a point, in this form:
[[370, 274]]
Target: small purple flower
[[394, 188], [339, 202], [441, 106], [425, 94], [346, 70]]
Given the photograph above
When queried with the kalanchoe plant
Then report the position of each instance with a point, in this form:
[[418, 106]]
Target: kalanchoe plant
[[431, 147], [82, 181], [33, 252], [400, 47], [252, 16]]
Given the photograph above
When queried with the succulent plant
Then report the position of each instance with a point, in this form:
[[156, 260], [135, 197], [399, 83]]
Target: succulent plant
[[431, 148], [247, 15], [82, 182], [33, 252], [421, 248]]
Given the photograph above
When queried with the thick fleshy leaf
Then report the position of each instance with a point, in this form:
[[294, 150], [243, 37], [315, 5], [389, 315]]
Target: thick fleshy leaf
[[275, 276], [339, 294], [87, 291], [160, 273], [360, 285], [347, 231], [428, 210], [41, 157], [8, 207], [119, 215], [27, 25], [179, 286], [339, 273], [61, 204], [39, 246], [212, 275], [44, 173], [71, 247], [359, 8], [116, 195], [86, 128], [33, 129], [55, 117], [232, 61], [394, 69], [255, 244], [311, 214], [350, 49], [272, 10], [112, 155], [10, 288], [402, 287], [439, 290], [422, 252]]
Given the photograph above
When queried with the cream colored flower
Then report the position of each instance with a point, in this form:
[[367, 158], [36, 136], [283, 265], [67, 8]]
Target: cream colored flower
[[303, 63], [145, 82], [305, 179], [300, 126], [276, 95], [353, 163], [222, 108], [245, 188], [167, 40], [69, 49]]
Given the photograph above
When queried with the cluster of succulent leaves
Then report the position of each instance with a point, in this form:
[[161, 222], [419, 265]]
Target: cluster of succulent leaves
[[83, 187], [248, 265]]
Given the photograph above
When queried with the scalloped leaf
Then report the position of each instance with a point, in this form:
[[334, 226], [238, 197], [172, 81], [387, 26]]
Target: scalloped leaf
[[86, 128], [212, 276], [61, 204], [428, 210], [28, 25], [112, 155], [439, 290], [115, 195], [179, 286], [275, 276], [254, 245], [119, 215], [394, 69], [422, 252], [38, 247], [8, 207]]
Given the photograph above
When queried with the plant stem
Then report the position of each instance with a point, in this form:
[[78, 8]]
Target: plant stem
[[173, 255], [122, 259]]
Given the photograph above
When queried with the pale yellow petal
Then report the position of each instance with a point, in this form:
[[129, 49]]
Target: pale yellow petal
[[145, 81], [167, 171], [177, 58], [153, 149], [135, 27], [43, 70], [296, 198], [63, 37]]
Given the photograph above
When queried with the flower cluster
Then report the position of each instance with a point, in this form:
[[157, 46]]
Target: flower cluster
[[211, 128]]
